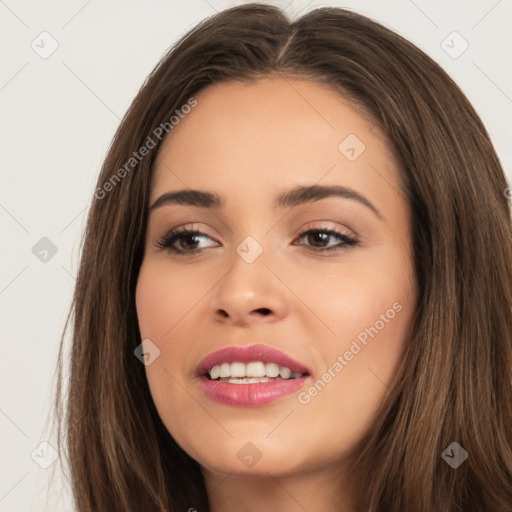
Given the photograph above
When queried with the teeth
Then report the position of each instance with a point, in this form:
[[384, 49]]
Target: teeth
[[284, 372], [215, 372], [272, 369], [225, 370], [255, 371], [237, 370], [253, 380]]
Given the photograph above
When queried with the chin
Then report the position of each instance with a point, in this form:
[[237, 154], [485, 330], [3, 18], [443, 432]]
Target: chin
[[256, 456]]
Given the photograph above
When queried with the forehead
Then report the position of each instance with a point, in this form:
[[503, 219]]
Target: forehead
[[263, 135]]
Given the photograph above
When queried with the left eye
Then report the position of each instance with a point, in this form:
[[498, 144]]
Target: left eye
[[317, 236], [322, 235]]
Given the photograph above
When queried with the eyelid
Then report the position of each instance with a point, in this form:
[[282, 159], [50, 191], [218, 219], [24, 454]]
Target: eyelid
[[317, 225], [190, 226], [193, 226]]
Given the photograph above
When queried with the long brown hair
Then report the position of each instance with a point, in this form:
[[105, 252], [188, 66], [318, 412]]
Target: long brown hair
[[454, 383]]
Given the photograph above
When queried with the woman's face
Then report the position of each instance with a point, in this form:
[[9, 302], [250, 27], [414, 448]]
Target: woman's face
[[255, 276]]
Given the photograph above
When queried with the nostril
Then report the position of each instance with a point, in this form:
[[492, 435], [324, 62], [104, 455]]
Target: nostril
[[265, 311]]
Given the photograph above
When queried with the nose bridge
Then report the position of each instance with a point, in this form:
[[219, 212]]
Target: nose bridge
[[249, 286], [249, 274]]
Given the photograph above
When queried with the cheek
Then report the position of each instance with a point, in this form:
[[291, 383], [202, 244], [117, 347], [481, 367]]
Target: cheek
[[368, 312], [163, 297], [353, 300], [372, 330], [162, 302]]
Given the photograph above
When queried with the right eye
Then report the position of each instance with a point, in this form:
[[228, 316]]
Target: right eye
[[168, 242]]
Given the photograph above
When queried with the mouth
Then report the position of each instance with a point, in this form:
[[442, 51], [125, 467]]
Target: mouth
[[251, 373], [250, 376]]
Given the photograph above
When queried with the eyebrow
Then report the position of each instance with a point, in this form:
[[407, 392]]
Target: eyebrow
[[294, 197]]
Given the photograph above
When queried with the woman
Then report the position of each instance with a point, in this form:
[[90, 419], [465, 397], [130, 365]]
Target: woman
[[295, 285]]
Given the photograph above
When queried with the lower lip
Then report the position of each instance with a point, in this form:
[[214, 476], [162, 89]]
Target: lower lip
[[251, 395]]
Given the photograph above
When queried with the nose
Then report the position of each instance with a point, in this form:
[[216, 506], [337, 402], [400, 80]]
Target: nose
[[250, 293]]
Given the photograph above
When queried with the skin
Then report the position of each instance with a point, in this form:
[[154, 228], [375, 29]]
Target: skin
[[249, 142]]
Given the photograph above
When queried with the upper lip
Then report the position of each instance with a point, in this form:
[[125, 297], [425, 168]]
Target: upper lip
[[248, 353]]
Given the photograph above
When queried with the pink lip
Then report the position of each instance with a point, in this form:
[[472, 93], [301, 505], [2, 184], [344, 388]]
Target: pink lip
[[249, 353], [251, 395]]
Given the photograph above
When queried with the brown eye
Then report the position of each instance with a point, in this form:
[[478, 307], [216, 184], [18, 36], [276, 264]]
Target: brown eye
[[185, 238], [317, 238]]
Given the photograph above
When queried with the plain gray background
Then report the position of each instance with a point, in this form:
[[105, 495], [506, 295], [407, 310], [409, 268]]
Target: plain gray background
[[59, 112]]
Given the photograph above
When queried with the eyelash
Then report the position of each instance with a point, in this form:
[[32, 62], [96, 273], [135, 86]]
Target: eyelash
[[178, 234]]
